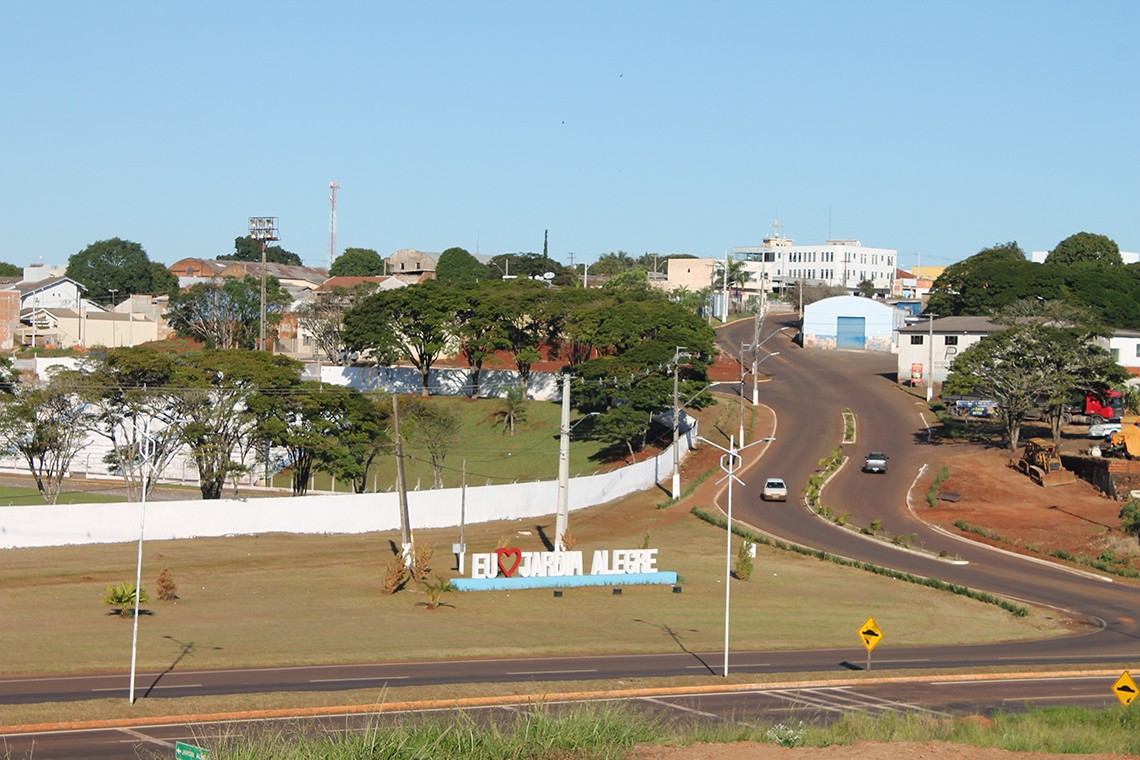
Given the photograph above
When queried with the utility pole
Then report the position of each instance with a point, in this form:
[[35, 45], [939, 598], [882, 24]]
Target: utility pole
[[930, 373], [563, 508], [333, 186], [756, 349], [724, 316], [401, 482]]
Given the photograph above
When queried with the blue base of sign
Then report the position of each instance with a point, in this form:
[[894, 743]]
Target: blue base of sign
[[564, 581]]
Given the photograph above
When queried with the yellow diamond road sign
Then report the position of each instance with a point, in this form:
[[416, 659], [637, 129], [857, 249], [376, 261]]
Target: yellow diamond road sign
[[1125, 689], [870, 634]]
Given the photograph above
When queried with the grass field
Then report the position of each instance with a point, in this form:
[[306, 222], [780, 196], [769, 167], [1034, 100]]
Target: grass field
[[285, 599], [492, 457]]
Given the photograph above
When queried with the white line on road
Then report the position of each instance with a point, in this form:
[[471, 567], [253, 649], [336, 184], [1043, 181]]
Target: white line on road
[[148, 688], [359, 678], [548, 672]]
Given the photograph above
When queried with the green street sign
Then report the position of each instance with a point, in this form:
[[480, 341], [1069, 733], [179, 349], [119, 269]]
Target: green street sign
[[184, 751]]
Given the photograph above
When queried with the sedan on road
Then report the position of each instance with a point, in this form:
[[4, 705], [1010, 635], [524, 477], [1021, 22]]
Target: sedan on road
[[774, 490]]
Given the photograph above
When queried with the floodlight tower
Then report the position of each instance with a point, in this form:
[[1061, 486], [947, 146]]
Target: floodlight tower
[[333, 187], [263, 229]]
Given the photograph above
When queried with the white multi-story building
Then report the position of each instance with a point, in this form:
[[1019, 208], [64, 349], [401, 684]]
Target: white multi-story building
[[779, 263]]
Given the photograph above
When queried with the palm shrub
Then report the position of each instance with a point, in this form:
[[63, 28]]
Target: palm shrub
[[122, 596]]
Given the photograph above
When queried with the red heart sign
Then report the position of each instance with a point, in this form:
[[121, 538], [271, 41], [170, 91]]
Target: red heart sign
[[504, 554]]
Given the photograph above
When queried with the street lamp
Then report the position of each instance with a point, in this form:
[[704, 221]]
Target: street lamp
[[263, 229], [756, 364], [149, 446], [730, 463], [676, 485]]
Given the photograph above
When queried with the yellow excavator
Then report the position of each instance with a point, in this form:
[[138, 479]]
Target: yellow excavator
[[1041, 462], [1128, 438]]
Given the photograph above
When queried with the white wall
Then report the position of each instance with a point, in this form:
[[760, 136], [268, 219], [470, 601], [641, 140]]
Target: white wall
[[36, 526]]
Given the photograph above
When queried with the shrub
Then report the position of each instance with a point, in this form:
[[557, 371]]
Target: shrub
[[420, 560], [1130, 517], [395, 576], [122, 596], [742, 568], [165, 588]]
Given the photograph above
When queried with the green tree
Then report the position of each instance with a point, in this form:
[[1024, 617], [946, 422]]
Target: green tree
[[46, 425], [634, 279], [227, 314], [623, 426], [304, 423], [436, 428], [415, 323], [358, 262], [130, 394], [361, 433], [10, 270], [220, 408], [457, 265], [1086, 247], [866, 289], [614, 262], [477, 329], [527, 322], [983, 283], [118, 265], [248, 249]]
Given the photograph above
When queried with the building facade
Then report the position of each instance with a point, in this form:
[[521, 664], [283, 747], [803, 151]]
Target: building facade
[[779, 264]]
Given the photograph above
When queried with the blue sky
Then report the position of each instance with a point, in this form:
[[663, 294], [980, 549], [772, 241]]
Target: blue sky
[[669, 127]]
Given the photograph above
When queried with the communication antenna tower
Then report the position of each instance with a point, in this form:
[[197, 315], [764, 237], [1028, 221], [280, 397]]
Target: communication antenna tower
[[333, 186]]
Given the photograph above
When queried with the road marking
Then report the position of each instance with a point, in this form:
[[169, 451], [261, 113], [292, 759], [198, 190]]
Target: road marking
[[360, 678], [702, 713], [149, 688], [547, 672], [883, 662], [987, 681], [735, 666], [140, 736]]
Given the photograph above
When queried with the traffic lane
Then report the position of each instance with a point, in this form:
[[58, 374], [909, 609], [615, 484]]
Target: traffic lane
[[391, 676], [761, 706]]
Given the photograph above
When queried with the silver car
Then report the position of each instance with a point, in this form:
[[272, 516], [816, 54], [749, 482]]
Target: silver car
[[1104, 429]]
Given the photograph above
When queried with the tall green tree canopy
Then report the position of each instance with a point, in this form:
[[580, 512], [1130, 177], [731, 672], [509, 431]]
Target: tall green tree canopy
[[248, 249], [457, 265], [119, 265], [358, 262], [984, 283], [10, 270], [1086, 247], [415, 323], [227, 314]]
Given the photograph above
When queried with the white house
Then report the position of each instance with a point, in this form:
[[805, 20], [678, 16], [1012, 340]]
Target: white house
[[851, 322]]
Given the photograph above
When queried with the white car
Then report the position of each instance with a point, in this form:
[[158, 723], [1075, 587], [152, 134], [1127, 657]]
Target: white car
[[1104, 429], [774, 490]]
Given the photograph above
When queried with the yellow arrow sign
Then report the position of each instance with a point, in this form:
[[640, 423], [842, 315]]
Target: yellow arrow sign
[[870, 634], [1125, 689]]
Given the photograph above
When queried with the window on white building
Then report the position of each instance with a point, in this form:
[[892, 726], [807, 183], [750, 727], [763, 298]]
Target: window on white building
[[917, 340]]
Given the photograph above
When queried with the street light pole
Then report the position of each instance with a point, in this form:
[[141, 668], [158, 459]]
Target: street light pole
[[730, 464], [147, 451], [561, 516], [676, 485]]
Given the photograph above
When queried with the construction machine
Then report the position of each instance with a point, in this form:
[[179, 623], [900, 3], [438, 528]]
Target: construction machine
[[1041, 462], [1127, 441]]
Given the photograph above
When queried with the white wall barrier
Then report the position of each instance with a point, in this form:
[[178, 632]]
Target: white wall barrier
[[60, 525]]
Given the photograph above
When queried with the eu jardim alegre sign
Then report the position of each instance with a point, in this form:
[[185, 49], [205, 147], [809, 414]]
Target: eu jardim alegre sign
[[509, 568]]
